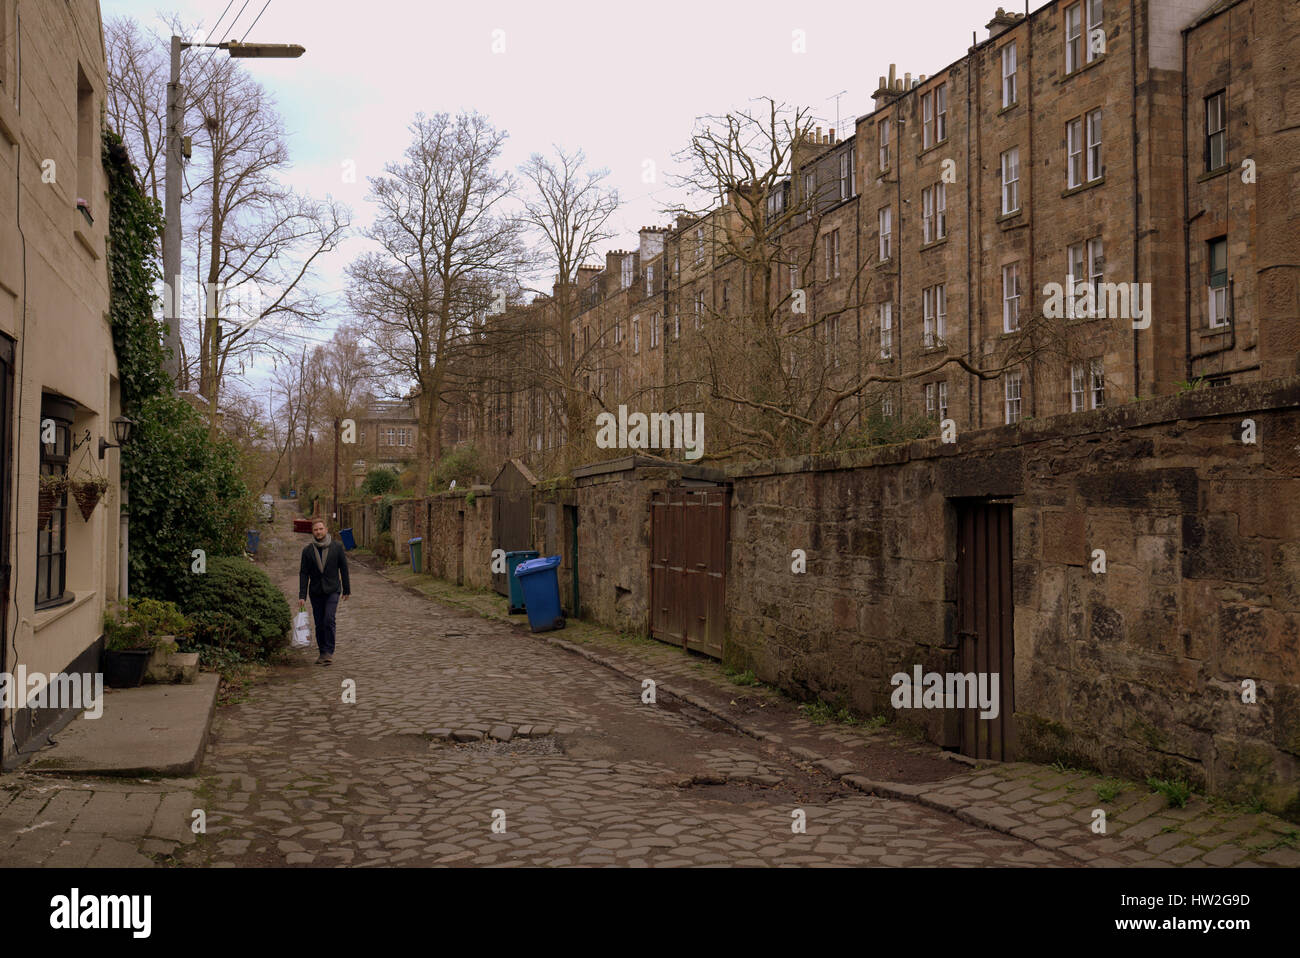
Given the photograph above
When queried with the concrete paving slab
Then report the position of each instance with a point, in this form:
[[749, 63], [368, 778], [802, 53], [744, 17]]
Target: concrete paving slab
[[154, 730]]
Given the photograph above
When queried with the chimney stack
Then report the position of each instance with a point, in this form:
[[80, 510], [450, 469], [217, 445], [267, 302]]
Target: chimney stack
[[1002, 22]]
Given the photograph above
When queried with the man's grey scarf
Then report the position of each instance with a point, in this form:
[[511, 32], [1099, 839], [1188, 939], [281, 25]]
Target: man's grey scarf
[[321, 548]]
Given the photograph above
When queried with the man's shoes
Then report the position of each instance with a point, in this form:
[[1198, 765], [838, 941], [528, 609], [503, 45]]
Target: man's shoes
[[326, 660], [320, 659]]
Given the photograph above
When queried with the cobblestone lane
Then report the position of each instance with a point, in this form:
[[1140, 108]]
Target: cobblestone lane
[[460, 723]]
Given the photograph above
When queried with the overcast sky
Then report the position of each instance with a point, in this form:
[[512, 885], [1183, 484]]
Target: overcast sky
[[623, 81]]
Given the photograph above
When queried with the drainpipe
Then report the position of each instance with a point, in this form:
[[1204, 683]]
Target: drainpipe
[[898, 252], [979, 218], [1193, 358], [972, 381], [1187, 231], [1029, 109], [1132, 43]]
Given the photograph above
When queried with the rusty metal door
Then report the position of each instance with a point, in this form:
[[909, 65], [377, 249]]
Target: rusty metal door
[[512, 516], [985, 633], [688, 562]]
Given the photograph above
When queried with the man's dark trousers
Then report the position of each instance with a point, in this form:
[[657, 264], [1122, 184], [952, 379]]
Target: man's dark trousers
[[323, 608]]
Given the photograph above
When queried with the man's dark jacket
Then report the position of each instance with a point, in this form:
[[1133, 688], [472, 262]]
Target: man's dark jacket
[[311, 578]]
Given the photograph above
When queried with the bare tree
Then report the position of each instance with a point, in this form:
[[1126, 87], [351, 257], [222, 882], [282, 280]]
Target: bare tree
[[136, 96], [255, 241], [766, 371], [345, 374], [345, 370], [298, 385], [568, 209], [446, 249], [261, 237]]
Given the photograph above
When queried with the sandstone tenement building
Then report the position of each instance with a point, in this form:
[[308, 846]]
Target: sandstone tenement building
[[1134, 150], [1152, 142]]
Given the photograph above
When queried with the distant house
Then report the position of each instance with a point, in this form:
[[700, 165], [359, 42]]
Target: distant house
[[58, 373], [388, 434]]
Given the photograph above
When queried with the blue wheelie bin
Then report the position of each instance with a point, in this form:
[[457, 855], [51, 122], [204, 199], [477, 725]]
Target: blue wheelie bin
[[541, 587], [252, 539], [513, 559], [349, 543], [416, 546]]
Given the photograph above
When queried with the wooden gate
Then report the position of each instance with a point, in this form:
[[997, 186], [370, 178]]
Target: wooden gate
[[512, 514], [688, 562], [985, 633]]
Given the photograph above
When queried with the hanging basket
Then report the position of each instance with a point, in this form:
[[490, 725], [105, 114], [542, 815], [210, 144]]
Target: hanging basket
[[52, 489], [88, 492]]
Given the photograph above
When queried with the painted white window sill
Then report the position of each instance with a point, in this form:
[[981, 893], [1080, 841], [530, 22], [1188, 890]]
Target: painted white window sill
[[48, 617]]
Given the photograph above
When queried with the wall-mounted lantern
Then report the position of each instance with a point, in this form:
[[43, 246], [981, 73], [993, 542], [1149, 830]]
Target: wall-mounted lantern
[[121, 432]]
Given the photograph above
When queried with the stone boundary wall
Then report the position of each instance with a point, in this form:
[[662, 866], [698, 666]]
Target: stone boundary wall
[[614, 539], [458, 540], [1137, 671], [554, 506]]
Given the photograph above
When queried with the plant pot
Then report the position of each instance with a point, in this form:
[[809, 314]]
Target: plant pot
[[125, 668], [48, 496], [87, 495]]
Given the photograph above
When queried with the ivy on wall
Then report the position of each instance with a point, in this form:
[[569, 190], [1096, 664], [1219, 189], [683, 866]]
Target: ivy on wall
[[134, 226], [185, 491]]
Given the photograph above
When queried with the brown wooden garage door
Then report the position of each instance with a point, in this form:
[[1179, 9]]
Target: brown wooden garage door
[[688, 536], [985, 632]]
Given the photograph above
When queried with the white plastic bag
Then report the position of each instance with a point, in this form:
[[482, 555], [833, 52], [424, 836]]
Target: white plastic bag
[[301, 633]]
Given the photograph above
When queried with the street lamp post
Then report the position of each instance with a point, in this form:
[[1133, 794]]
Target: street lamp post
[[172, 205]]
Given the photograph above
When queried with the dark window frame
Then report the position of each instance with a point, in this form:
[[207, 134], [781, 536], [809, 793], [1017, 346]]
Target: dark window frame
[[1222, 132], [1224, 281], [52, 542]]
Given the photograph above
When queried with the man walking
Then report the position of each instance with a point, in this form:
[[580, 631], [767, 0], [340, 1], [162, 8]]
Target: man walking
[[323, 575]]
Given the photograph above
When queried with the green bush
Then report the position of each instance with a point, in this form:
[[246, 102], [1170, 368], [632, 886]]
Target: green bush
[[464, 464], [158, 617], [383, 546], [380, 481], [221, 640], [880, 430], [385, 516], [186, 492], [138, 623], [247, 595], [121, 634]]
